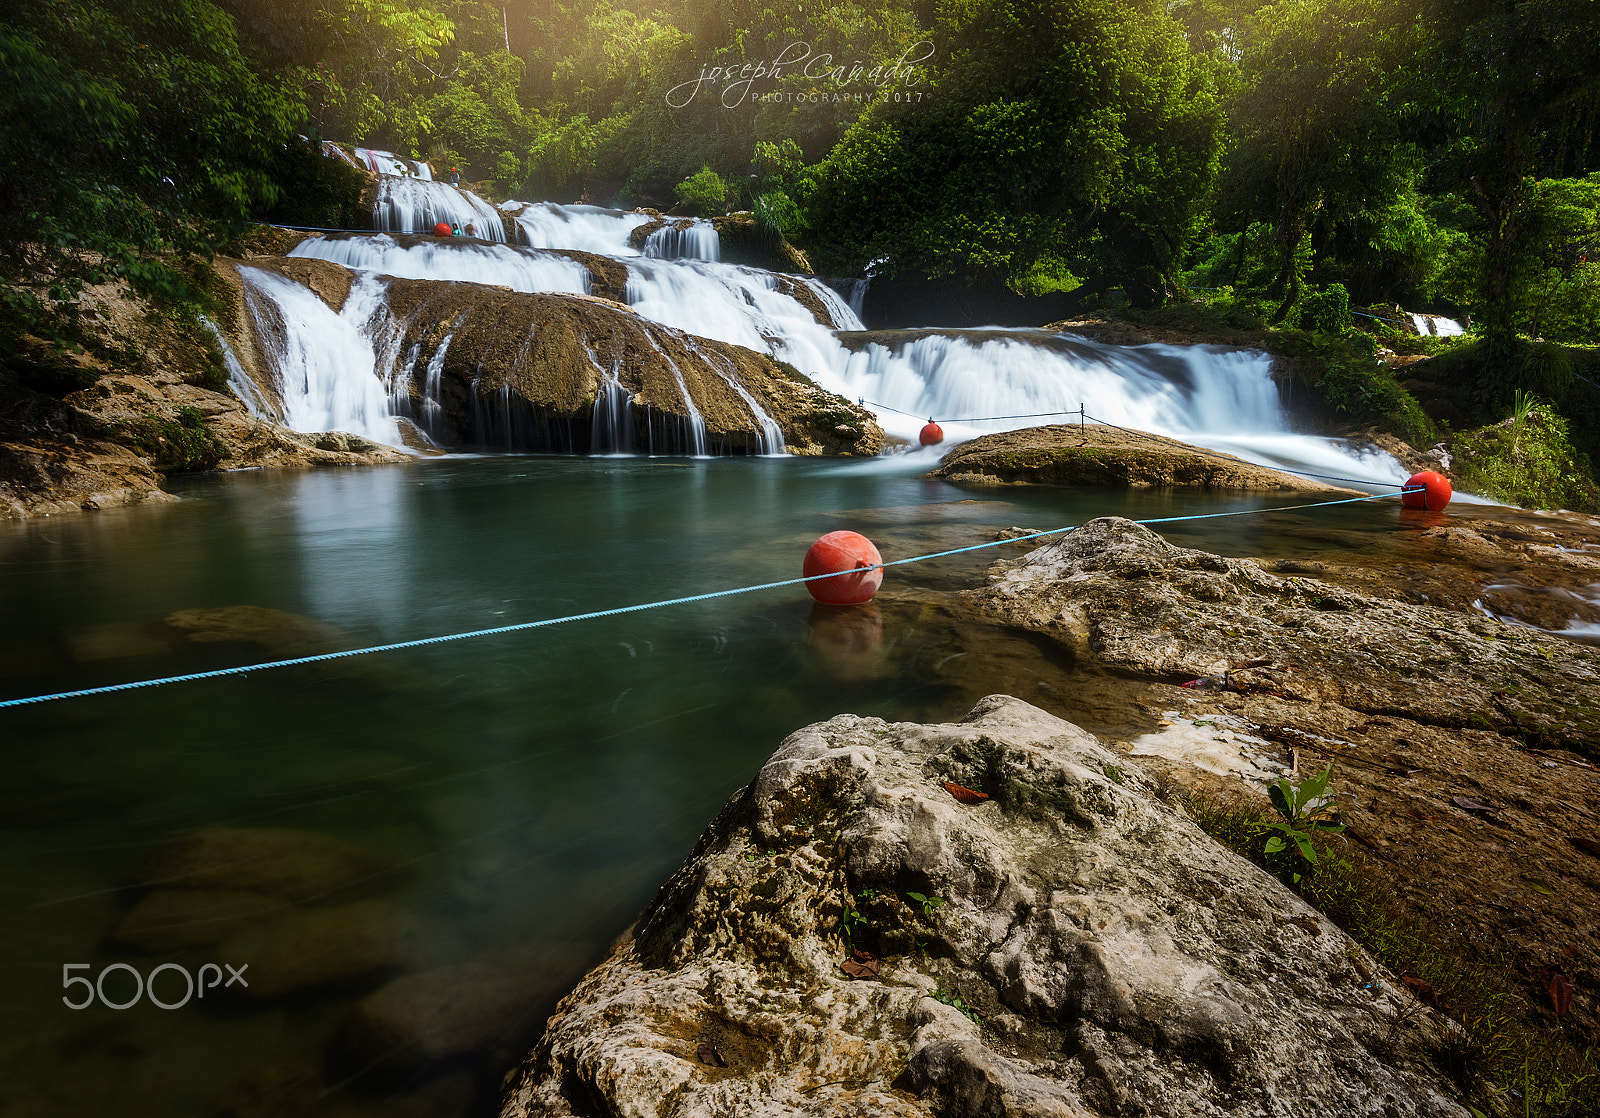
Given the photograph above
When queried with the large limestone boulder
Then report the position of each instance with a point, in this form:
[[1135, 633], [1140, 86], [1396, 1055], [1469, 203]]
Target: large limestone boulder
[[1116, 592], [1099, 455], [849, 938]]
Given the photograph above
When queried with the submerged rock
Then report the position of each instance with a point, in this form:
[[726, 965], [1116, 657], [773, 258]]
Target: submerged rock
[[295, 866], [849, 938]]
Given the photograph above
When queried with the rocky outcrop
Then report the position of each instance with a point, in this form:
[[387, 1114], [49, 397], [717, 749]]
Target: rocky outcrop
[[528, 371], [1116, 592], [994, 917], [156, 402], [1067, 454]]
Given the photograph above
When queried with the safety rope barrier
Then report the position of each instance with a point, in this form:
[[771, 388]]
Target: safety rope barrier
[[1083, 415], [245, 669], [1230, 458]]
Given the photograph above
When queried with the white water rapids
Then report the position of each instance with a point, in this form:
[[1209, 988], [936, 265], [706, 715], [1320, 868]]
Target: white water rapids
[[1222, 399]]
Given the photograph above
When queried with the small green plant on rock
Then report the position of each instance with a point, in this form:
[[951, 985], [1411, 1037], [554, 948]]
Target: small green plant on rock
[[955, 1002], [929, 905], [1304, 810]]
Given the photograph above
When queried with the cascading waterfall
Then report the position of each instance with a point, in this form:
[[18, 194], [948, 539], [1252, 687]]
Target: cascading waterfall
[[611, 426], [585, 228], [697, 241], [1436, 325], [769, 436], [1211, 397], [243, 385], [323, 362], [520, 269], [1222, 399], [416, 205], [388, 163], [432, 407], [609, 232], [694, 425]]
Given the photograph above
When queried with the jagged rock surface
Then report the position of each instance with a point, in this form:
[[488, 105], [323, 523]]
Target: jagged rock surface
[[1124, 963], [1117, 592]]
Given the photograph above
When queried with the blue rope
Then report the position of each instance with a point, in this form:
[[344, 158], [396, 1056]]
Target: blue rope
[[245, 669], [1228, 458], [1142, 434]]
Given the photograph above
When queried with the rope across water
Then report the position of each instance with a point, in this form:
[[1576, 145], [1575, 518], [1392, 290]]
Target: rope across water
[[1078, 411], [245, 669]]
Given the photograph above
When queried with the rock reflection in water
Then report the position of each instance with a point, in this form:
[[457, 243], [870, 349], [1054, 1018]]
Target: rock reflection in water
[[847, 640]]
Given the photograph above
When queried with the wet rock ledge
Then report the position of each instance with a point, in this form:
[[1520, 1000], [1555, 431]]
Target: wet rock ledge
[[1067, 454], [849, 938]]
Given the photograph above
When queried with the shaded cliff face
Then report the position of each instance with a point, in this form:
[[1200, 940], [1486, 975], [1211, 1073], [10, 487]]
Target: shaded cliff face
[[475, 364]]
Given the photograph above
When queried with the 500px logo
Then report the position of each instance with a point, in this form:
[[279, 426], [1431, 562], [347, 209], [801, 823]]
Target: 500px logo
[[194, 985]]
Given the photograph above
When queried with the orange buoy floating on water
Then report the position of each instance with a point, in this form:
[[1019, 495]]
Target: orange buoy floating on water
[[442, 229], [837, 553], [1434, 492], [932, 434]]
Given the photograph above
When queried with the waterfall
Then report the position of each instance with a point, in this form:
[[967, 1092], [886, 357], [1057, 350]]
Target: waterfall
[[972, 381], [694, 424], [697, 241], [769, 436], [1223, 399], [610, 232], [415, 205], [585, 228], [243, 385], [611, 426], [432, 405], [853, 291], [520, 269], [1436, 325], [323, 363]]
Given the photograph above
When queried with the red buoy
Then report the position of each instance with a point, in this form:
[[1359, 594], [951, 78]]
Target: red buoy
[[1434, 492], [442, 229], [839, 552], [932, 434]]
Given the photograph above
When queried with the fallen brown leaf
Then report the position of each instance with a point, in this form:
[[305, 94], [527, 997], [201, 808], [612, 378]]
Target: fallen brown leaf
[[965, 795], [1558, 988], [1423, 989], [853, 969]]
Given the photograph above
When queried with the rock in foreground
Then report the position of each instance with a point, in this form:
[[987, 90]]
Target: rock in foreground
[[1068, 946], [1116, 592]]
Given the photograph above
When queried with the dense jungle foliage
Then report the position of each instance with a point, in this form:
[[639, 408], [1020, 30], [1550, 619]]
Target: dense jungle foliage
[[1438, 155]]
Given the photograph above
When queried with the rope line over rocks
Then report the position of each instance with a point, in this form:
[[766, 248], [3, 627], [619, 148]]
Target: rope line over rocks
[[498, 630], [1085, 416]]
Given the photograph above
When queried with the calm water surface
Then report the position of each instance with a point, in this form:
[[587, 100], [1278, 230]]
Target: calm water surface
[[514, 800]]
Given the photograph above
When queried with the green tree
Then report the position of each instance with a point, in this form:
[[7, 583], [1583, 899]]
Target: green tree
[[1065, 130], [1316, 129], [145, 130], [1516, 96]]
